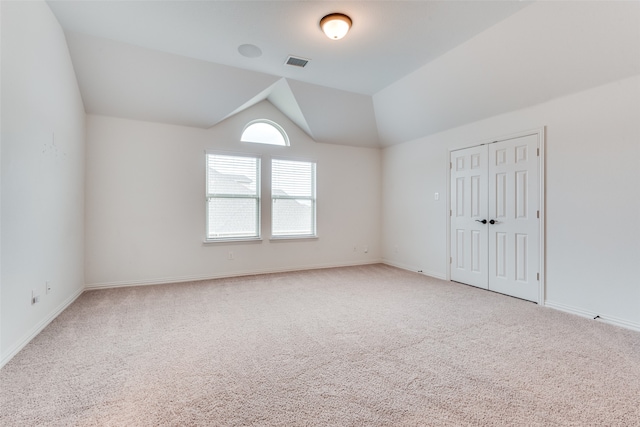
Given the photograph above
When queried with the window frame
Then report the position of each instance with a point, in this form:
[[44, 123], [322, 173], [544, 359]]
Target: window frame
[[257, 197], [312, 198]]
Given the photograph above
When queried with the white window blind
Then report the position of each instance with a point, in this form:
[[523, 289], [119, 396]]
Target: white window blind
[[293, 190], [233, 197]]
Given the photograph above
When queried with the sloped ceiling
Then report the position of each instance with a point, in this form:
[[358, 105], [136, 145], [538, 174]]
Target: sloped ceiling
[[548, 50], [122, 80], [325, 114], [405, 70], [178, 61]]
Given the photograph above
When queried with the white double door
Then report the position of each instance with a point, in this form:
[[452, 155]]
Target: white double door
[[495, 222]]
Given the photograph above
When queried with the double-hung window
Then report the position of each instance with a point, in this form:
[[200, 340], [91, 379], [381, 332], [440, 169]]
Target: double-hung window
[[233, 197], [293, 203]]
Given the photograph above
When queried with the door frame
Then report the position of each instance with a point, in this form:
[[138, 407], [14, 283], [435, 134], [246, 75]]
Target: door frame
[[540, 134]]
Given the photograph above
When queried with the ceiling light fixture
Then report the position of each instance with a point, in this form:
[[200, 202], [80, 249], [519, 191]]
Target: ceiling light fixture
[[335, 25]]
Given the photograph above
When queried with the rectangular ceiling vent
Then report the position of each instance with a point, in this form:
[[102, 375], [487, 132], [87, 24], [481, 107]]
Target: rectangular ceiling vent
[[297, 62]]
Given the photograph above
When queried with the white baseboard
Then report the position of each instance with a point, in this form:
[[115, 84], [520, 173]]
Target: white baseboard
[[401, 265], [13, 350], [181, 279], [591, 315], [414, 269], [435, 275]]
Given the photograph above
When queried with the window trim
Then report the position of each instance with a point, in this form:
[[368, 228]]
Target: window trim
[[257, 198], [294, 237]]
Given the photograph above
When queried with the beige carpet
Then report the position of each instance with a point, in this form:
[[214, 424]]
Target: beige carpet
[[357, 346]]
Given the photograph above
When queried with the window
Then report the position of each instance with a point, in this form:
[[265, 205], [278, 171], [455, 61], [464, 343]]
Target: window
[[233, 197], [293, 192], [264, 132]]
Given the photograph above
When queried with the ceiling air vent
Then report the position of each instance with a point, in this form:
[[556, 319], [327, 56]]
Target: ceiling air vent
[[297, 62]]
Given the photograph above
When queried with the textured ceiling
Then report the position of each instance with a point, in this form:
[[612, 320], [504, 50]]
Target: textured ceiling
[[406, 69], [178, 61], [388, 40]]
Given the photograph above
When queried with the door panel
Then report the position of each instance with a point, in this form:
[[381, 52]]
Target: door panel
[[469, 200], [513, 239]]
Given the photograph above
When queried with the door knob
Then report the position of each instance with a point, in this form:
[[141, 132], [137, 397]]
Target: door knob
[[493, 221], [484, 221]]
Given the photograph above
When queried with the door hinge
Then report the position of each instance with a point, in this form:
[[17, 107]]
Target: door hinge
[[450, 212], [538, 152], [450, 260], [538, 277], [538, 214], [450, 165]]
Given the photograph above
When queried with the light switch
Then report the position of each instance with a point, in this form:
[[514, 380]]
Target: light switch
[[436, 196]]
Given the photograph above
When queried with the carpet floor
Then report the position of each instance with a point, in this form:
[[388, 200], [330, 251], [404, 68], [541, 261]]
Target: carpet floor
[[355, 346]]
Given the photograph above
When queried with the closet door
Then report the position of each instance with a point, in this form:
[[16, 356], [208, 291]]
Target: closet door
[[469, 207], [514, 218], [495, 222]]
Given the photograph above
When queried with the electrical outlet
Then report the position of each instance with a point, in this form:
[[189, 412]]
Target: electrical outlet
[[35, 298], [230, 255], [47, 287]]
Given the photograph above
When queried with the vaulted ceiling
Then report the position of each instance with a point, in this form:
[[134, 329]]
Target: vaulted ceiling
[[179, 62]]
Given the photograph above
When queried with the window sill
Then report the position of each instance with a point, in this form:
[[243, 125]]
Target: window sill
[[233, 240], [285, 238]]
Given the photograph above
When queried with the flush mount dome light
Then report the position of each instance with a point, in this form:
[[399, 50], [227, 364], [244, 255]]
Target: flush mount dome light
[[335, 25]]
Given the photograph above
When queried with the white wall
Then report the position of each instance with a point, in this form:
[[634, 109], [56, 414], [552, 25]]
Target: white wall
[[42, 219], [145, 202], [592, 198]]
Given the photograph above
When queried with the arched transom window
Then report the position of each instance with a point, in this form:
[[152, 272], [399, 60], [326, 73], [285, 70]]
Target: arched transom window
[[264, 131]]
